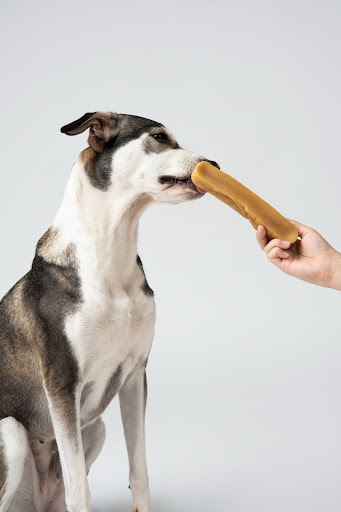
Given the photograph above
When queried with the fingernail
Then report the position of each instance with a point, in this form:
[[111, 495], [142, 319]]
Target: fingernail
[[284, 242]]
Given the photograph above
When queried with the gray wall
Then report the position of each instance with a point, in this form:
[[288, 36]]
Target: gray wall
[[244, 409]]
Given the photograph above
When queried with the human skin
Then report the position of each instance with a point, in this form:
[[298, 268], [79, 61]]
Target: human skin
[[311, 258]]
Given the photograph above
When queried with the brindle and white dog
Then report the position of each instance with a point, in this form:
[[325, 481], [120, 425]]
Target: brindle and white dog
[[78, 327]]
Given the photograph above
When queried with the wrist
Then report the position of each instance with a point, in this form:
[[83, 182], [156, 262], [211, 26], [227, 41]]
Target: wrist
[[335, 272]]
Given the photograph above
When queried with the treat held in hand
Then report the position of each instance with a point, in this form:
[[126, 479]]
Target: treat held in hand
[[225, 188]]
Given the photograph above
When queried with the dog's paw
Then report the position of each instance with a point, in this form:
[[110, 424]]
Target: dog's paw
[[141, 499]]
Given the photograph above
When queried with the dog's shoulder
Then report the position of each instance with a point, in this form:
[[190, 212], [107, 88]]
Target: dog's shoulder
[[33, 312]]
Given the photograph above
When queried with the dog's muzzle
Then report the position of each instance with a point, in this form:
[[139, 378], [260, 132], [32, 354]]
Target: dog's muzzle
[[186, 181]]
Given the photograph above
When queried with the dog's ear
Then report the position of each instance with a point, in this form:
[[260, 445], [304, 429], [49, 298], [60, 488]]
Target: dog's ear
[[103, 127]]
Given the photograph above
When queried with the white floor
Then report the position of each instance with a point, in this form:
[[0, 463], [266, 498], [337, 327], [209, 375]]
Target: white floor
[[241, 456]]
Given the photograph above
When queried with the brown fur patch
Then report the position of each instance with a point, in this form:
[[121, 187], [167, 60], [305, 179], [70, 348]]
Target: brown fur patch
[[55, 250], [86, 154], [21, 318]]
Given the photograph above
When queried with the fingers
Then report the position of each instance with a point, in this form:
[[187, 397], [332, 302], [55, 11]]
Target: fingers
[[262, 239], [276, 243], [275, 249], [276, 253], [267, 247]]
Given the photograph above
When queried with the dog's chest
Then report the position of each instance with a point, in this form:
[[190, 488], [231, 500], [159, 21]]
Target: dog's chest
[[110, 337]]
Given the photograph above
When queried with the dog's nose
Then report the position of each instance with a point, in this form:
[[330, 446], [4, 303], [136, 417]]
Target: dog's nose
[[212, 162]]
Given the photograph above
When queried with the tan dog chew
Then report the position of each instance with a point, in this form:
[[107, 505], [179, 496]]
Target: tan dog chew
[[246, 203]]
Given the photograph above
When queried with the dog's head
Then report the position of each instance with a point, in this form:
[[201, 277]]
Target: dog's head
[[134, 152]]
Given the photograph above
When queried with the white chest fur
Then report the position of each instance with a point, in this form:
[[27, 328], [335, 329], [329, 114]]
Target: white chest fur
[[110, 336], [112, 330]]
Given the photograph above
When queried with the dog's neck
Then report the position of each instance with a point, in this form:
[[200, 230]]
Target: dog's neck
[[102, 227]]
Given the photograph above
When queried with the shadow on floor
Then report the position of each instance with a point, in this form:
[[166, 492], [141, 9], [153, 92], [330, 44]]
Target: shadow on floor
[[125, 506]]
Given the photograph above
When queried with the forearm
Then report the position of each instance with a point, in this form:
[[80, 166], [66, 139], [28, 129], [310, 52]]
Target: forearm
[[335, 273]]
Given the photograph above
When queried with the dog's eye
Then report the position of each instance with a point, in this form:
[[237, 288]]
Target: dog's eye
[[161, 137]]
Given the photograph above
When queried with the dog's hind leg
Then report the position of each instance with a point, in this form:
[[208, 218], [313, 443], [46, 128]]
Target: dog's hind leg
[[133, 396], [16, 465]]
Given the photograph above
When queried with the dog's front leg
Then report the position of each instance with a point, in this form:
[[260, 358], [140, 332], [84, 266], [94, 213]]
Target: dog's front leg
[[65, 415], [133, 396]]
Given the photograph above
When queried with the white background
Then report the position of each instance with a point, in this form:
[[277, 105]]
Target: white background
[[244, 406]]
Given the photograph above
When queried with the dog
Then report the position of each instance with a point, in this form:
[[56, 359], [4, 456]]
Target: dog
[[77, 329]]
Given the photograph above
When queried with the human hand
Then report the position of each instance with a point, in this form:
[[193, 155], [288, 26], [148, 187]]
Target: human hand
[[311, 259]]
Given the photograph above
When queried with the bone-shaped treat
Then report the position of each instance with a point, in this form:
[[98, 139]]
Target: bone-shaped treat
[[244, 201]]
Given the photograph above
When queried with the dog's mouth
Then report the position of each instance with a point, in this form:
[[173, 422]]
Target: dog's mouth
[[185, 183]]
